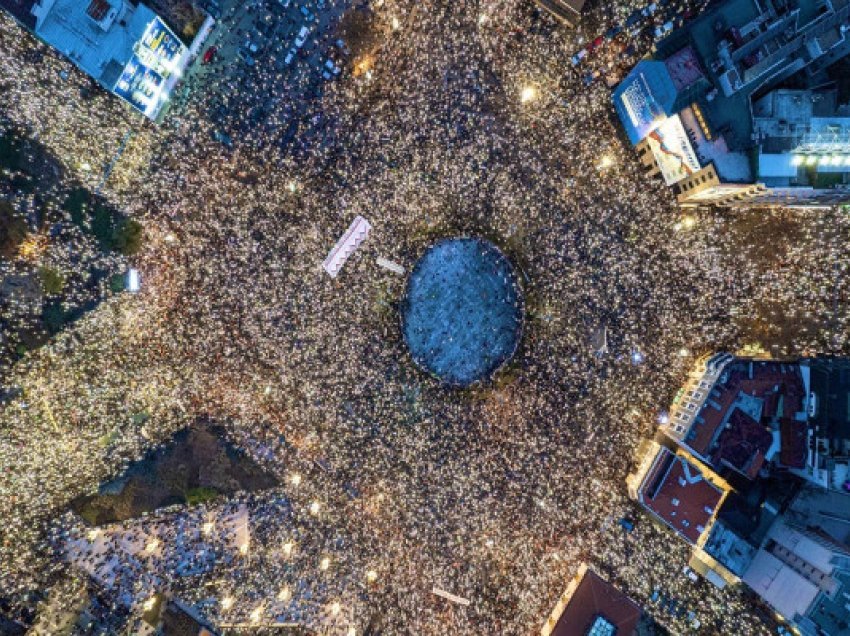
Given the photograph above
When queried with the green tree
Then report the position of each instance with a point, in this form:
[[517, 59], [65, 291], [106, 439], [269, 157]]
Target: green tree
[[76, 204], [200, 494], [52, 281], [127, 237]]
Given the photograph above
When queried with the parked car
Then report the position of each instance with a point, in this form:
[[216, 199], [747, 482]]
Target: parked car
[[309, 17], [613, 32], [209, 56], [578, 57], [290, 56], [302, 37], [664, 29], [333, 68]]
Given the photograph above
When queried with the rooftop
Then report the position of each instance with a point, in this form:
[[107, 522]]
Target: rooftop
[[726, 57], [675, 490], [597, 605], [732, 428]]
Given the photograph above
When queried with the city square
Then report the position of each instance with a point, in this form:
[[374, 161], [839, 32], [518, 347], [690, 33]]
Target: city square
[[418, 488]]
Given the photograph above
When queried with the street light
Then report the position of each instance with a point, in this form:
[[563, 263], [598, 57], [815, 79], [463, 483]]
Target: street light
[[295, 479], [315, 507], [371, 576], [324, 564], [227, 602], [529, 93], [288, 547]]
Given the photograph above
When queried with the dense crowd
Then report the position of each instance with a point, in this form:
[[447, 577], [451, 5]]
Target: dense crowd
[[470, 123]]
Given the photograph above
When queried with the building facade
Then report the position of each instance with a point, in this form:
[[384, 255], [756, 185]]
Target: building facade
[[750, 469], [707, 113], [126, 47]]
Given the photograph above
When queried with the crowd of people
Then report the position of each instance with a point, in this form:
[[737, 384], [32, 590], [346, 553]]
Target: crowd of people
[[469, 123]]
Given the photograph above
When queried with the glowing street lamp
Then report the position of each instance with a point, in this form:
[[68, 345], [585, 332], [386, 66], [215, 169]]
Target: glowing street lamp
[[295, 479], [227, 602], [336, 607], [315, 508], [152, 545], [208, 527], [285, 594], [606, 162], [288, 547], [528, 94], [371, 576], [324, 564], [396, 24], [256, 614]]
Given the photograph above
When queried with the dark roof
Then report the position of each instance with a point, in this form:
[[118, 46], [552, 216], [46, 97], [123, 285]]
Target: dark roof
[[768, 381], [792, 439], [742, 445], [20, 10], [596, 597]]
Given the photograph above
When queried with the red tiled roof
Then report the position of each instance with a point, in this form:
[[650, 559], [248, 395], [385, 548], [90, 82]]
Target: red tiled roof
[[769, 381], [675, 490], [596, 597]]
